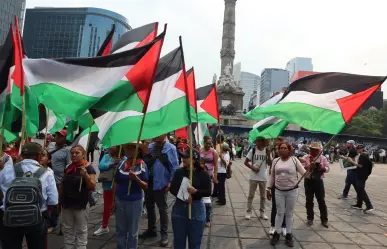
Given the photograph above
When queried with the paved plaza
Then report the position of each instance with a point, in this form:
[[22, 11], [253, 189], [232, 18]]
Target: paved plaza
[[349, 229]]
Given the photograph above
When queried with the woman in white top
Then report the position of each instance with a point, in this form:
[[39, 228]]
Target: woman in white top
[[284, 178], [223, 162]]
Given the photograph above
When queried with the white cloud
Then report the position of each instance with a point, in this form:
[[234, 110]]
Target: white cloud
[[340, 35]]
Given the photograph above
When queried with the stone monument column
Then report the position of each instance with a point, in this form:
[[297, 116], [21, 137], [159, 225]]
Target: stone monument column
[[227, 53]]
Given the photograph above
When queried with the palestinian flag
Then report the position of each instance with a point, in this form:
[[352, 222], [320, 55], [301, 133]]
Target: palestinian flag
[[19, 90], [322, 102], [270, 127], [200, 132], [207, 104], [136, 38], [71, 86], [107, 44], [55, 121], [191, 92], [181, 133], [167, 109]]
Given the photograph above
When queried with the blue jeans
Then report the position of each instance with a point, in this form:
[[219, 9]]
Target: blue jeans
[[184, 227], [128, 215]]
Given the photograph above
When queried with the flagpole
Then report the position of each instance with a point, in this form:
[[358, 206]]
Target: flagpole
[[190, 126], [144, 110], [115, 171], [45, 135], [309, 170], [1, 141], [87, 150]]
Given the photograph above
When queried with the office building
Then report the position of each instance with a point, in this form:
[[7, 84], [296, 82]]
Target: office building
[[272, 80], [8, 9], [249, 83], [237, 71], [69, 32], [299, 64]]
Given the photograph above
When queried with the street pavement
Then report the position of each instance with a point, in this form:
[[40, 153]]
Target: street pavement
[[230, 230]]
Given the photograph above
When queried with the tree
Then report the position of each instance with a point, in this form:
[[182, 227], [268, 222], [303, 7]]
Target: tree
[[369, 123]]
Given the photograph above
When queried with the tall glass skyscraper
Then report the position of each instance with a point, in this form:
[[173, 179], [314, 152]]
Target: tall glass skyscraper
[[272, 80], [69, 32], [249, 83], [8, 9]]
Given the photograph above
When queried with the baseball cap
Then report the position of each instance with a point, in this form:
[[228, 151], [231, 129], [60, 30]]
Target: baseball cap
[[31, 149], [351, 142], [62, 133]]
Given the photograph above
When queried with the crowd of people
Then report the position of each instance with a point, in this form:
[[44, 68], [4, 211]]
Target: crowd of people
[[135, 177]]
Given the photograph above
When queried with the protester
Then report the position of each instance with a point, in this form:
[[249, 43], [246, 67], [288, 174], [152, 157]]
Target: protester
[[184, 227], [60, 157], [275, 154], [257, 160], [363, 170], [162, 162], [317, 165], [210, 158], [351, 173], [5, 159], [107, 167], [128, 205], [36, 235], [284, 177], [223, 163], [14, 151], [76, 186]]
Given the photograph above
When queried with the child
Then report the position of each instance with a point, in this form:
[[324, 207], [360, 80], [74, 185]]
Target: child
[[206, 200]]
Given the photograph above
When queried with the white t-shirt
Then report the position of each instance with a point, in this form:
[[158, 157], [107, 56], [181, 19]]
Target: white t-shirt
[[221, 167], [259, 161]]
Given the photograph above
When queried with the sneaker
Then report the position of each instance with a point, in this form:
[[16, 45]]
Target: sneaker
[[284, 231], [164, 242], [274, 240], [289, 240], [221, 203], [248, 216], [208, 224], [358, 207], [148, 234], [263, 216], [325, 224], [369, 210], [342, 197], [310, 222], [101, 231], [272, 230]]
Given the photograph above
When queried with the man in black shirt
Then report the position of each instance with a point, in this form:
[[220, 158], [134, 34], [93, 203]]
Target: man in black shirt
[[363, 170]]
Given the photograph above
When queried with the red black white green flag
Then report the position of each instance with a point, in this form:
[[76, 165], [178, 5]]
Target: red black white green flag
[[322, 102], [207, 104], [107, 44]]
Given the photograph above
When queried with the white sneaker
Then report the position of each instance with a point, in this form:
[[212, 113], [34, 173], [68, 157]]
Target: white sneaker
[[248, 216], [101, 231], [263, 216], [284, 231], [272, 230]]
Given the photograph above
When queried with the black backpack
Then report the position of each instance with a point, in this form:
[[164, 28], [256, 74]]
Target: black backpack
[[24, 199]]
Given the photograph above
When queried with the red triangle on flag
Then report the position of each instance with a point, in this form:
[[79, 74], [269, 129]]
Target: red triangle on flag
[[181, 133], [18, 73], [210, 104], [351, 104]]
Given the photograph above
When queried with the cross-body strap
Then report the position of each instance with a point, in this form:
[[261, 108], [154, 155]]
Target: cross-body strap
[[18, 170], [40, 172]]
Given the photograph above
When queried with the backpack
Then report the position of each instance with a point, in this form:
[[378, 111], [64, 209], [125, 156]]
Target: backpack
[[24, 199]]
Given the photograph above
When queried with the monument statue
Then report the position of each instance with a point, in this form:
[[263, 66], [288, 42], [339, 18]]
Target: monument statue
[[228, 89], [214, 79]]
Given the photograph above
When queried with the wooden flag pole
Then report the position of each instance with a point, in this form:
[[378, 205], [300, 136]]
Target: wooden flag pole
[[190, 167], [2, 141], [144, 110], [136, 149], [87, 150], [310, 169], [23, 135], [45, 135]]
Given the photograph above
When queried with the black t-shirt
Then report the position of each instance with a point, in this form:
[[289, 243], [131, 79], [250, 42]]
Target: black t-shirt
[[200, 181], [73, 195], [366, 169]]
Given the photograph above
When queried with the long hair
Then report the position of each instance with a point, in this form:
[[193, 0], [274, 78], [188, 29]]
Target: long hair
[[287, 145], [80, 148]]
